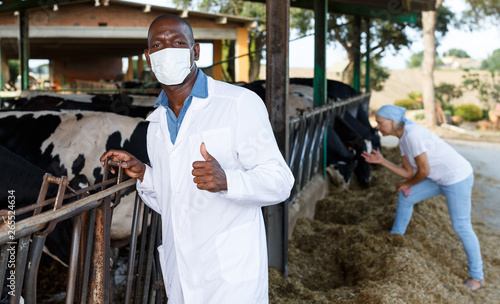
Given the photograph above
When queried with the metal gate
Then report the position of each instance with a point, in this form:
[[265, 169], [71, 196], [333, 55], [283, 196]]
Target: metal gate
[[307, 139], [21, 244]]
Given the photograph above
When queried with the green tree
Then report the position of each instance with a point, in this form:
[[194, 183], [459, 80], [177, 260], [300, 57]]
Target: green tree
[[445, 92], [184, 4], [492, 63], [378, 76], [257, 35], [444, 18], [416, 60], [477, 13], [385, 35], [433, 22], [457, 53], [487, 87]]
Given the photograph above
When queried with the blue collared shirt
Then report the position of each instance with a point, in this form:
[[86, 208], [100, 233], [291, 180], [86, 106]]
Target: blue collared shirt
[[200, 90]]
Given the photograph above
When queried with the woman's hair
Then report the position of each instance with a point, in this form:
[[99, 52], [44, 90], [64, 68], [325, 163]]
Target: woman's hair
[[399, 125]]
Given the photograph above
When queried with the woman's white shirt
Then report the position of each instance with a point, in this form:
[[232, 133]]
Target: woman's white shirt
[[446, 165]]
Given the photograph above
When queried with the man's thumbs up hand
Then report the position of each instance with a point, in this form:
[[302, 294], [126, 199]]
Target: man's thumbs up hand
[[208, 174], [204, 153]]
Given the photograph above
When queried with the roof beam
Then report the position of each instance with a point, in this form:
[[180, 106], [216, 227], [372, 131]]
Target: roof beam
[[393, 10], [111, 32], [184, 14], [10, 6], [221, 20], [391, 13]]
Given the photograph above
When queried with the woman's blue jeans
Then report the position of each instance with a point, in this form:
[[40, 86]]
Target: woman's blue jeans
[[458, 198]]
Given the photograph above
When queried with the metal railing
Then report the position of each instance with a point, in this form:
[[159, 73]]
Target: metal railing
[[307, 139], [21, 244]]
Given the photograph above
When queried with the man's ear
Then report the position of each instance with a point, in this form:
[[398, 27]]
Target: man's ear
[[146, 52], [196, 51]]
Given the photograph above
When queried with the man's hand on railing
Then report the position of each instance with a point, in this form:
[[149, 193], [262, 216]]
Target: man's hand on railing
[[132, 166]]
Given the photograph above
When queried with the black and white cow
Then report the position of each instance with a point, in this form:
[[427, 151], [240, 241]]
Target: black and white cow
[[357, 137], [143, 100], [362, 125], [301, 93], [121, 104], [356, 133], [25, 179], [335, 90], [340, 160], [70, 143]]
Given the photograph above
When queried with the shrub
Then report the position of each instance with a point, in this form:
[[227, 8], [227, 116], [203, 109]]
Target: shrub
[[469, 112], [419, 116], [408, 103], [417, 96]]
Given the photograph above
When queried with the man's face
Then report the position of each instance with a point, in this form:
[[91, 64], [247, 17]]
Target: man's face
[[169, 33]]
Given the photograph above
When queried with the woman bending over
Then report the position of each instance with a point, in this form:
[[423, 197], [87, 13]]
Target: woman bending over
[[430, 167]]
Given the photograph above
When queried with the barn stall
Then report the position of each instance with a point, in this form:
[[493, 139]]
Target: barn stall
[[307, 160], [309, 129]]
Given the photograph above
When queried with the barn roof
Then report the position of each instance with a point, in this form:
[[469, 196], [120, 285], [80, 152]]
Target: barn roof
[[16, 5], [53, 37], [401, 10]]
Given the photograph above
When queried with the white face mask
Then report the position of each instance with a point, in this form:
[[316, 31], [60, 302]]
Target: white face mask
[[171, 65]]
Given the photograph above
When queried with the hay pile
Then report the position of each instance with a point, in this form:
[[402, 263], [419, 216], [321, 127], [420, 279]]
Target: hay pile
[[346, 255]]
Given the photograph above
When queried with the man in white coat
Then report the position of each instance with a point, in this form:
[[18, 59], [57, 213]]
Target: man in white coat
[[214, 163]]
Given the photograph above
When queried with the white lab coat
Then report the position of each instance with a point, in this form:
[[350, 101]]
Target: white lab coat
[[214, 244]]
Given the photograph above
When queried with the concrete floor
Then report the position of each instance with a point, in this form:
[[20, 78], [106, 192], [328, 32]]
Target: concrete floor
[[485, 159]]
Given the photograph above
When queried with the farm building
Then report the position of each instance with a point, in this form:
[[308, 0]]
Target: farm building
[[85, 42]]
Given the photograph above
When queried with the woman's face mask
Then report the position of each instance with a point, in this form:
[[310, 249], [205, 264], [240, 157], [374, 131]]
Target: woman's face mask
[[171, 65]]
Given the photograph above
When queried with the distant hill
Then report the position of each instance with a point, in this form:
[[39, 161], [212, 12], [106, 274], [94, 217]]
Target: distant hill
[[399, 84], [403, 82]]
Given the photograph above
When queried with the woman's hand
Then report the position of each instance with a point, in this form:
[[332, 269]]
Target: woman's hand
[[402, 186], [373, 158], [133, 167]]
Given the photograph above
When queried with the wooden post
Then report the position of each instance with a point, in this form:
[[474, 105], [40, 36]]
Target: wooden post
[[276, 217], [24, 49], [129, 76], [217, 54], [140, 68], [242, 63]]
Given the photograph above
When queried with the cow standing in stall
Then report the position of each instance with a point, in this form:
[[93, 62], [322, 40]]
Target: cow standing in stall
[[67, 143]]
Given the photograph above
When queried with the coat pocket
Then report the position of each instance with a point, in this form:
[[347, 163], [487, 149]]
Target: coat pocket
[[238, 251], [218, 144]]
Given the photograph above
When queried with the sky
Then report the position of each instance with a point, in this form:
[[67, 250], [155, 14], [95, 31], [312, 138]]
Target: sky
[[479, 44]]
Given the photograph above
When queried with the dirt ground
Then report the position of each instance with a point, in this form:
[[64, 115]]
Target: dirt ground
[[346, 255]]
